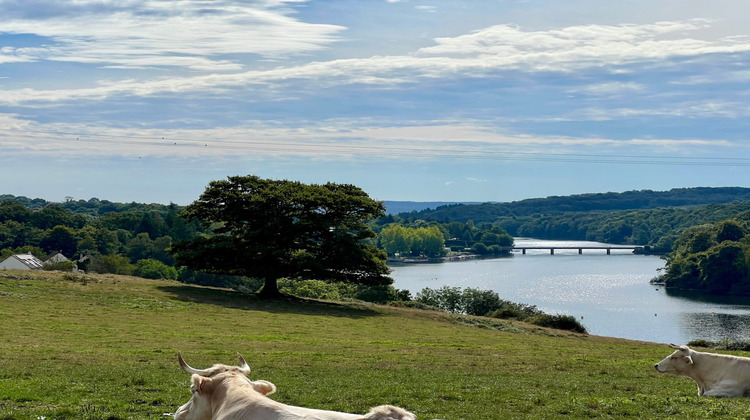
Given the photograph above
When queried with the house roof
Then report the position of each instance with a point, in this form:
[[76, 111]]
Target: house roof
[[29, 260]]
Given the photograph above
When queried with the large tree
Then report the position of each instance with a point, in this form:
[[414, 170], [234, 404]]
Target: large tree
[[272, 229]]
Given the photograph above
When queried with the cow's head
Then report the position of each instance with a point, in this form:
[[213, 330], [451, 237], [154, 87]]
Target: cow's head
[[677, 362], [201, 386]]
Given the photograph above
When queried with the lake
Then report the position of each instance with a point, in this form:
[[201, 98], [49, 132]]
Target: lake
[[610, 294]]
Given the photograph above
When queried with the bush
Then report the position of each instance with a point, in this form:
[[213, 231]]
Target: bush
[[381, 294], [154, 269], [114, 264], [317, 289], [60, 266], [512, 310], [413, 304], [446, 298], [488, 303], [479, 302], [559, 322]]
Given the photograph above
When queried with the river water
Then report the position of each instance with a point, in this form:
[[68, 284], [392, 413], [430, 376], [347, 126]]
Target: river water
[[610, 294]]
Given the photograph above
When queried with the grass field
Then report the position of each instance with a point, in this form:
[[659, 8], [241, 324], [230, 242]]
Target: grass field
[[104, 347]]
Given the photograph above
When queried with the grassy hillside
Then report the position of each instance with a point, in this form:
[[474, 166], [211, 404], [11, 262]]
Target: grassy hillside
[[104, 347]]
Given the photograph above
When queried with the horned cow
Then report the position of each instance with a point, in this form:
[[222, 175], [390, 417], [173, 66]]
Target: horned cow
[[224, 392], [717, 375]]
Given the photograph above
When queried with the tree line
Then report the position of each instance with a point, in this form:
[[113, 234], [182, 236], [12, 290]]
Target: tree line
[[246, 228], [399, 237], [99, 236], [656, 228], [629, 200]]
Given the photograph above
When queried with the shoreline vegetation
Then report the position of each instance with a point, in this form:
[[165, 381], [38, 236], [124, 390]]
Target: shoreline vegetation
[[90, 347]]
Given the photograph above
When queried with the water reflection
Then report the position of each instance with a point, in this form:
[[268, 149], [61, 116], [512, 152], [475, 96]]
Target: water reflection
[[702, 297], [611, 293], [717, 326], [722, 318]]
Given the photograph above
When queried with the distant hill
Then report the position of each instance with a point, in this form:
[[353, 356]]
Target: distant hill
[[629, 200], [396, 207]]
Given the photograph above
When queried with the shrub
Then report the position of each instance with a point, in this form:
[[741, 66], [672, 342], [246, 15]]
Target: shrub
[[154, 269], [560, 322], [479, 302], [512, 310], [317, 289], [446, 298], [413, 304], [380, 294], [60, 266], [114, 264]]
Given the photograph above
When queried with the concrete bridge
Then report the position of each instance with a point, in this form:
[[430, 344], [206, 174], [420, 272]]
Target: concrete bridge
[[636, 248]]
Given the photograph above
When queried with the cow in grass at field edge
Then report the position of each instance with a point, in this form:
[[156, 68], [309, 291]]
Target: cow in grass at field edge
[[224, 392], [717, 375]]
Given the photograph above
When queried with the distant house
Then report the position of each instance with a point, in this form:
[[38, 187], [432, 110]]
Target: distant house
[[21, 262], [56, 257]]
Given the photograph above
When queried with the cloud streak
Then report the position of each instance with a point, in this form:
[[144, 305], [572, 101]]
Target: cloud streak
[[485, 52], [185, 34]]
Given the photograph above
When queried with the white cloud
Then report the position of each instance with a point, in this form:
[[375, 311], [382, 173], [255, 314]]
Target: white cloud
[[189, 34], [609, 88], [488, 51], [328, 140], [429, 9]]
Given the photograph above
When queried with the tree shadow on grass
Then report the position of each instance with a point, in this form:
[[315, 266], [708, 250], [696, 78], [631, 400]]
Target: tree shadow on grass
[[250, 301]]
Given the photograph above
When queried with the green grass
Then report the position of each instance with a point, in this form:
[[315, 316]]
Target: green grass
[[104, 347]]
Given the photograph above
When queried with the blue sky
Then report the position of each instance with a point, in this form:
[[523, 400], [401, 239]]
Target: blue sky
[[421, 100]]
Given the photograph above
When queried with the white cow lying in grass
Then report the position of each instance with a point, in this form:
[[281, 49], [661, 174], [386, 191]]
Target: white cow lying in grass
[[717, 375], [224, 392]]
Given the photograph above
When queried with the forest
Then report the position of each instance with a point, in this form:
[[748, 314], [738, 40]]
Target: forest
[[134, 238], [712, 257], [647, 218], [628, 200]]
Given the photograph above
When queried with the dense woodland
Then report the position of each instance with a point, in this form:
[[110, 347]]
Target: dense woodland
[[648, 218], [712, 257], [629, 200], [102, 236], [133, 238]]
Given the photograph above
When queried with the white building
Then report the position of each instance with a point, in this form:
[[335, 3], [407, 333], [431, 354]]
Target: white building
[[21, 262]]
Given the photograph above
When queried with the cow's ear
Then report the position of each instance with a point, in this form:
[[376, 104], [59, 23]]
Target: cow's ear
[[200, 384], [264, 387]]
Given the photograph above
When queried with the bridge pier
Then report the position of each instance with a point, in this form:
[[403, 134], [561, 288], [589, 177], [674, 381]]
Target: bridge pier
[[580, 251], [609, 251], [552, 251]]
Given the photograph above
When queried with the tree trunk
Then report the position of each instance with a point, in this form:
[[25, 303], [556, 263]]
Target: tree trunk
[[270, 289]]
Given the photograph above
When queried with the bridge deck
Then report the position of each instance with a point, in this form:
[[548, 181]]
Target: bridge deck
[[579, 248]]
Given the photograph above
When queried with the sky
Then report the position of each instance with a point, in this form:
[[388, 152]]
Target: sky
[[415, 100]]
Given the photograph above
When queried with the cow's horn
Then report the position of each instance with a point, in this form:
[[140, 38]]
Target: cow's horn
[[191, 370], [243, 365]]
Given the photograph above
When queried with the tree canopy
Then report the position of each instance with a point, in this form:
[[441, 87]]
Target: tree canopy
[[272, 229], [714, 258]]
